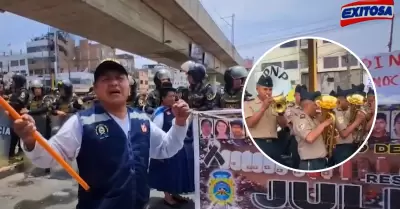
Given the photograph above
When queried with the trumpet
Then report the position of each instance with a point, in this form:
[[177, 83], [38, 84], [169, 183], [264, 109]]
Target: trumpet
[[279, 105], [327, 103], [357, 104]]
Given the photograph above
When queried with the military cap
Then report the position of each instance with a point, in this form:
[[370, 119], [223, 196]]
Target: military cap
[[306, 95], [265, 81], [344, 92], [370, 92]]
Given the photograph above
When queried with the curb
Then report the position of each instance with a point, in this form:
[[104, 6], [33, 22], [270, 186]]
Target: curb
[[11, 169]]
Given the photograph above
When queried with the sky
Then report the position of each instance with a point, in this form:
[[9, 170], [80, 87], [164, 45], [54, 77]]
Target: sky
[[259, 25]]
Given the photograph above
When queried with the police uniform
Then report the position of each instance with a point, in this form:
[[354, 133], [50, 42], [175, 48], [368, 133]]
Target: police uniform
[[132, 96], [19, 100], [293, 110], [153, 99], [344, 146], [201, 95], [183, 93], [264, 132], [89, 98], [67, 102], [312, 155], [39, 107], [232, 98]]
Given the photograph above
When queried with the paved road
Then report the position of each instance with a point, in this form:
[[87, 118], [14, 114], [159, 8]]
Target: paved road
[[55, 191]]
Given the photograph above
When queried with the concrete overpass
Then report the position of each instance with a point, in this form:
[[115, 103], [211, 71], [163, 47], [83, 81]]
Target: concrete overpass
[[158, 30]]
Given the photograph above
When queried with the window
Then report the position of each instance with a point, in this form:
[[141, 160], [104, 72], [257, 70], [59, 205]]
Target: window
[[21, 62], [289, 44], [265, 65], [352, 60], [14, 63], [292, 82], [146, 82], [331, 62], [141, 81], [292, 64], [39, 49]]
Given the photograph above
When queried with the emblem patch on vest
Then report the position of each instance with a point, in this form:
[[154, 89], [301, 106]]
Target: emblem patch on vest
[[144, 128], [102, 131]]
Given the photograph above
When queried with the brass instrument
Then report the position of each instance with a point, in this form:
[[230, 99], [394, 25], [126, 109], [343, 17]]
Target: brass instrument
[[279, 105], [357, 104], [327, 103]]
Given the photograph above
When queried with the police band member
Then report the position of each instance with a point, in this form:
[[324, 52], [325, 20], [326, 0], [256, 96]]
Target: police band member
[[153, 99], [234, 78], [371, 103], [294, 110], [133, 91], [344, 143], [201, 95], [19, 100], [308, 131], [263, 121]]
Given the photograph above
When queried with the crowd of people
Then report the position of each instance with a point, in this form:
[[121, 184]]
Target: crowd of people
[[303, 142], [124, 143]]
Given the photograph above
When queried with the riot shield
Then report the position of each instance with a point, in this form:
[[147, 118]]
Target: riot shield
[[41, 124], [56, 122], [5, 136]]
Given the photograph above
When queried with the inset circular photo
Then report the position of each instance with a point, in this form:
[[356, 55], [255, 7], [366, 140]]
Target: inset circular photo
[[311, 110]]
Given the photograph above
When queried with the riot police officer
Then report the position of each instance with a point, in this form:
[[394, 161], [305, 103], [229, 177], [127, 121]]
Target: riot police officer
[[132, 96], [153, 99], [182, 92], [201, 95], [67, 103], [89, 98], [19, 100], [234, 78], [39, 107]]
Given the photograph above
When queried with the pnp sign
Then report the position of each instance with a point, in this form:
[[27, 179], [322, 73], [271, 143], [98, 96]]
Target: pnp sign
[[365, 10]]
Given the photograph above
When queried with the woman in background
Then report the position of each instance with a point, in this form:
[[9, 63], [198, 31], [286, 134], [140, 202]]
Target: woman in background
[[173, 176]]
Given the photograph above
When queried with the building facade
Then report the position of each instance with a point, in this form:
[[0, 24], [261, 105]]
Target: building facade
[[336, 66], [142, 79], [88, 55], [127, 60], [54, 50], [15, 63]]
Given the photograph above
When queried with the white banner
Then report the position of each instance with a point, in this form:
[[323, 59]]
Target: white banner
[[385, 71]]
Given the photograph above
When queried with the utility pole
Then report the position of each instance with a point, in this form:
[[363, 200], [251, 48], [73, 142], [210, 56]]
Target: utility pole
[[312, 64], [232, 25], [391, 36]]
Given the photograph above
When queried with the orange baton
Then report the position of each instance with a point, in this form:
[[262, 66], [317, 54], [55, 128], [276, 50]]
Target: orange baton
[[4, 104]]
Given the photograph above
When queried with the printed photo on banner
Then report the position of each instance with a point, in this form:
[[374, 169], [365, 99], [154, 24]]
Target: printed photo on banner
[[222, 130], [289, 106], [207, 128], [240, 176], [395, 125]]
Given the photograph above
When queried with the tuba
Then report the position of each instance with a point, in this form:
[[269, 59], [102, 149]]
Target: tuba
[[357, 104], [327, 104]]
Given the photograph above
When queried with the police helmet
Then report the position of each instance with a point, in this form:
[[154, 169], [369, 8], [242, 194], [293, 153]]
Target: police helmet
[[36, 84], [197, 71], [235, 72], [18, 80], [161, 74], [65, 85]]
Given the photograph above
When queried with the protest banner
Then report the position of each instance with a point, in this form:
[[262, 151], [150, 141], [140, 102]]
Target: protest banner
[[232, 173]]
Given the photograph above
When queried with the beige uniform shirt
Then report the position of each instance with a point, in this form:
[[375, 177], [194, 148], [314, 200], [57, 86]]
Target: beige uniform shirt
[[341, 123], [302, 126], [292, 110], [267, 125]]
